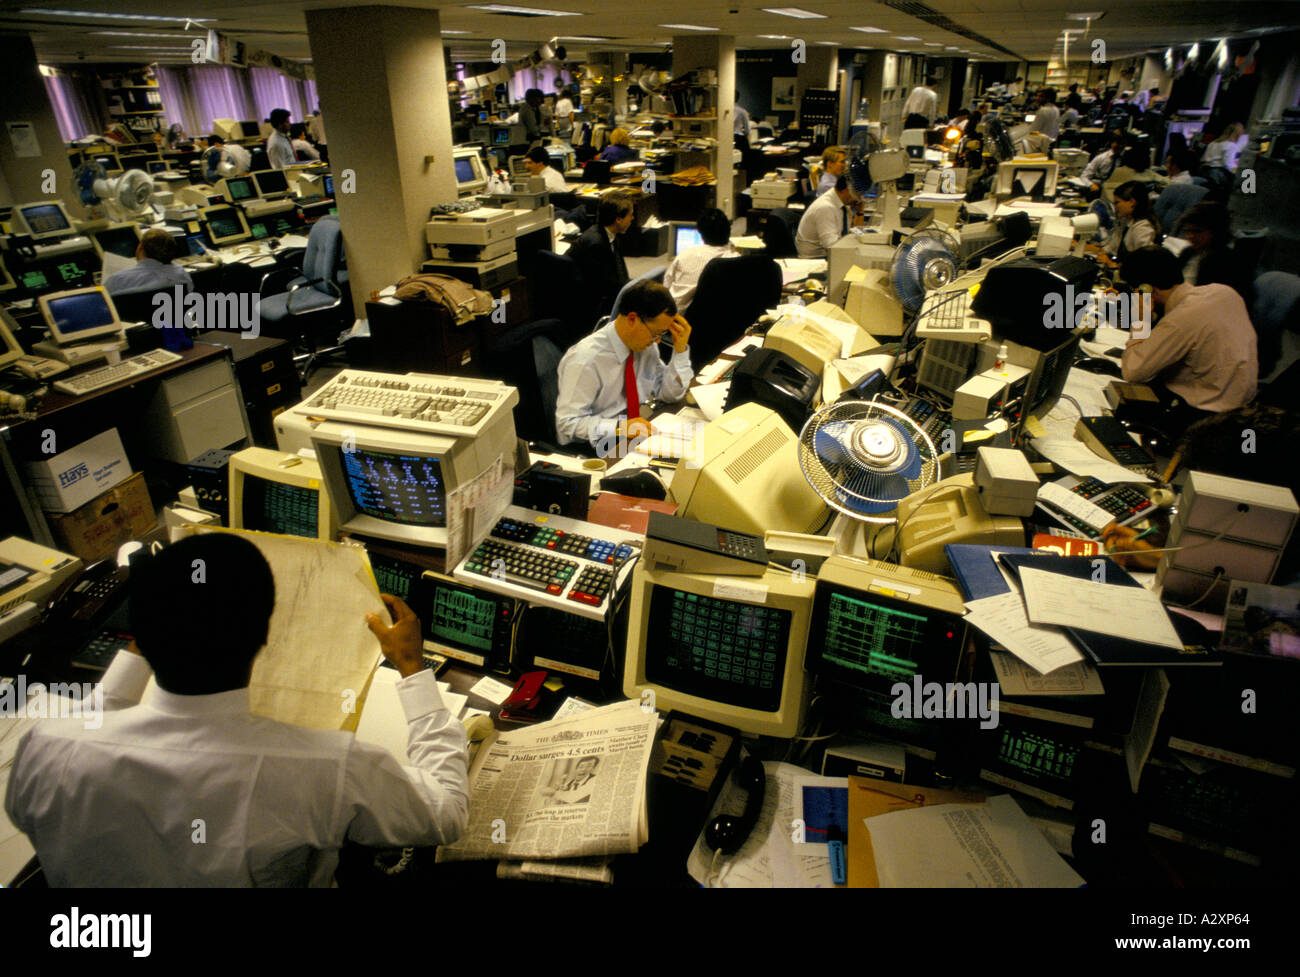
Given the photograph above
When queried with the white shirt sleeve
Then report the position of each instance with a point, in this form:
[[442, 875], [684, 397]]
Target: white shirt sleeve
[[385, 803], [675, 378], [575, 417]]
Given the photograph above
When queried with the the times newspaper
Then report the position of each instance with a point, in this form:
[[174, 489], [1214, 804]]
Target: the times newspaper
[[570, 788]]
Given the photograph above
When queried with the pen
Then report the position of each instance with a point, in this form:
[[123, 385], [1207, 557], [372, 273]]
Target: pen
[[835, 845]]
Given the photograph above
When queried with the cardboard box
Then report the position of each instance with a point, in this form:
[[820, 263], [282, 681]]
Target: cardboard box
[[73, 477], [98, 528]]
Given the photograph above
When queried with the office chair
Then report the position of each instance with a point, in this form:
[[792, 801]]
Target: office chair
[[1276, 309], [732, 294], [528, 357], [597, 171], [1175, 200], [258, 160], [778, 233], [558, 293], [313, 299], [139, 306]]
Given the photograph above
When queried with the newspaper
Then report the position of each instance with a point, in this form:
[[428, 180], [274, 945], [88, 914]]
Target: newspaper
[[570, 788]]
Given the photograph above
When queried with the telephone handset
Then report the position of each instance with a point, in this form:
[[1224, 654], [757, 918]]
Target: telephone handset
[[727, 832], [95, 596]]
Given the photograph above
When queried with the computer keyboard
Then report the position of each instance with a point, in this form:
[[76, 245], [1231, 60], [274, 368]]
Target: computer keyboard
[[1091, 504], [552, 560], [457, 406], [128, 369], [946, 315], [928, 418]]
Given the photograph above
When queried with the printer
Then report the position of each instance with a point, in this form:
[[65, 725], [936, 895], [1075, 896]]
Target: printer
[[476, 246]]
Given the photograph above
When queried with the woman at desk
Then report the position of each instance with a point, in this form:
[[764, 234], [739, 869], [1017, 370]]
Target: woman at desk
[[618, 150], [1135, 225]]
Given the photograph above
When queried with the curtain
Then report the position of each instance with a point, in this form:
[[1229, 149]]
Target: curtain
[[194, 96], [74, 113]]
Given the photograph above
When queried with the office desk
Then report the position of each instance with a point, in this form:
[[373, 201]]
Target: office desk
[[184, 408]]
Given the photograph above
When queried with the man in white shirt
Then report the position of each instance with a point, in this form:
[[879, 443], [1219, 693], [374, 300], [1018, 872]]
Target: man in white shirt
[[1101, 166], [827, 219], [684, 271], [302, 149], [279, 150], [538, 163], [154, 269], [606, 378], [188, 788], [222, 159], [1016, 87], [1048, 119], [316, 128], [742, 119], [923, 101], [563, 112]]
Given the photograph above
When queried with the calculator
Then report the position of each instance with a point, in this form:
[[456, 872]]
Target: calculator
[[1088, 505]]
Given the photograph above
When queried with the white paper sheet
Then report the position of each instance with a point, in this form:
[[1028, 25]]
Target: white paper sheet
[[489, 688], [712, 398], [1134, 613], [1002, 618], [1078, 459], [966, 846]]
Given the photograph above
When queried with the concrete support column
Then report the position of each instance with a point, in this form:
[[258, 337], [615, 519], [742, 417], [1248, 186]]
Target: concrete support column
[[718, 52], [23, 178], [381, 75]]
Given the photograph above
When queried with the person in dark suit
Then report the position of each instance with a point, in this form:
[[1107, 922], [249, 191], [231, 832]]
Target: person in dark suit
[[597, 254]]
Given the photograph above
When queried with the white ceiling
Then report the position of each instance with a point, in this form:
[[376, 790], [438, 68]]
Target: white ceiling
[[1029, 29]]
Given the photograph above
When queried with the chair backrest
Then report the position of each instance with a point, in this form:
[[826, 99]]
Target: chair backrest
[[324, 248], [558, 293], [732, 294], [546, 363], [258, 160], [655, 274], [596, 171], [138, 306], [1276, 308], [1174, 201], [778, 235]]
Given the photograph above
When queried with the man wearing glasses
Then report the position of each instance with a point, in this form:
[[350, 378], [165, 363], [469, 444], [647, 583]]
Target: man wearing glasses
[[607, 378]]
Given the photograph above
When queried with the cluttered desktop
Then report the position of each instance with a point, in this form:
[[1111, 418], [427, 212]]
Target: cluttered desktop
[[905, 538]]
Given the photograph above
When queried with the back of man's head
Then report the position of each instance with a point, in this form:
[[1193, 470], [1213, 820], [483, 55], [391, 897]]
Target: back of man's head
[[278, 117], [215, 140], [201, 611], [714, 227], [1049, 95], [538, 155], [1152, 265], [159, 245], [931, 81], [612, 207], [648, 299]]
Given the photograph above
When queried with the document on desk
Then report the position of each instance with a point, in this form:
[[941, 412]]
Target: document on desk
[[992, 845], [320, 653], [769, 857], [1131, 613], [1003, 618], [1078, 459], [712, 398], [797, 269], [535, 793]]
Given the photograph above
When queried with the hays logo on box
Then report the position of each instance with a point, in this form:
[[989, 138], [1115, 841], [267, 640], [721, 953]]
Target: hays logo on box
[[73, 475]]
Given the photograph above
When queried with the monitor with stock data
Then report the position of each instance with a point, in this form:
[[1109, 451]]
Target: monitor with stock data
[[42, 220], [275, 492]]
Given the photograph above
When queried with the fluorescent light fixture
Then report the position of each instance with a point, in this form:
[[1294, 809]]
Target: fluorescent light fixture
[[456, 32], [869, 30], [582, 37], [505, 8], [148, 47], [797, 12], [907, 38], [94, 15], [1087, 15], [775, 37], [933, 44], [170, 37], [688, 27], [829, 43]]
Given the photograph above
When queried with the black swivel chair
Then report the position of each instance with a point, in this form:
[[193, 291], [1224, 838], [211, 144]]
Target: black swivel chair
[[558, 293], [528, 357], [313, 301], [732, 294], [259, 160], [778, 233]]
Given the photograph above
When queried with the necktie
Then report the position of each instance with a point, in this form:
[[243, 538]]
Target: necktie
[[629, 386], [844, 221]]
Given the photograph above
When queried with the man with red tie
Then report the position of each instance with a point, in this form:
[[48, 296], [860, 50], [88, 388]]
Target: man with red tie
[[607, 378]]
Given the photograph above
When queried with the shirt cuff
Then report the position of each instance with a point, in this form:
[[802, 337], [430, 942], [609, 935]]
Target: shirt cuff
[[126, 677], [419, 695], [683, 357]]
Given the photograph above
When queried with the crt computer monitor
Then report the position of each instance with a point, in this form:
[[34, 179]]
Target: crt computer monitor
[[119, 239], [742, 473], [462, 622], [874, 624], [683, 236], [275, 492], [736, 660], [1027, 178], [10, 350], [248, 129], [393, 484], [228, 129], [471, 173], [226, 225], [1031, 756], [42, 220], [236, 189], [329, 184], [500, 135], [271, 183], [79, 314]]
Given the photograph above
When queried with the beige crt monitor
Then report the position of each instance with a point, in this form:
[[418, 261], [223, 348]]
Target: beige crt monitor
[[808, 343], [732, 654], [276, 492], [742, 473], [10, 350]]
